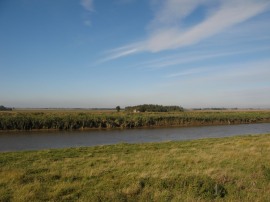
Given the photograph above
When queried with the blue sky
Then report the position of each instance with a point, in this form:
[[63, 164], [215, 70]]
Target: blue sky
[[100, 53]]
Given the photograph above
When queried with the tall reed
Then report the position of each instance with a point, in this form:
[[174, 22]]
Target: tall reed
[[60, 120]]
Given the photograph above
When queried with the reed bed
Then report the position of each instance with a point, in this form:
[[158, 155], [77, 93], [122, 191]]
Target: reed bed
[[68, 120]]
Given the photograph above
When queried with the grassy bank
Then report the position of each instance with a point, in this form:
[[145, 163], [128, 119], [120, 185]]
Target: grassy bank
[[226, 169], [71, 120]]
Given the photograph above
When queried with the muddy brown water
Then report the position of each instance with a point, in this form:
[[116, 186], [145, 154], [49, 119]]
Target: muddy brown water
[[19, 141]]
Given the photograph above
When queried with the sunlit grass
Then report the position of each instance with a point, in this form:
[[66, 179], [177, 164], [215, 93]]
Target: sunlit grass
[[230, 169]]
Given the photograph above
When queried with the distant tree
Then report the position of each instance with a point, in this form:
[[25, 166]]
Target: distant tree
[[118, 108], [2, 108], [154, 108]]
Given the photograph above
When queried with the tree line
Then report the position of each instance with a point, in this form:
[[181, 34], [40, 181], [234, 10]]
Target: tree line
[[153, 108], [3, 108]]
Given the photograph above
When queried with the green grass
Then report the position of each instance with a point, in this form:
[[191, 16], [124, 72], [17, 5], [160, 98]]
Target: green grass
[[225, 169], [72, 120]]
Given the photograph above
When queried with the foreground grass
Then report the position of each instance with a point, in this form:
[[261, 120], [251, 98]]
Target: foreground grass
[[71, 120], [229, 169]]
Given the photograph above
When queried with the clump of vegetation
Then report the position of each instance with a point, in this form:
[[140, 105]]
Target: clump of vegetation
[[118, 108], [154, 108], [266, 172], [3, 108], [225, 169]]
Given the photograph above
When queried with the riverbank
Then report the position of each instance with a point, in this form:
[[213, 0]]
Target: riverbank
[[85, 120], [230, 169]]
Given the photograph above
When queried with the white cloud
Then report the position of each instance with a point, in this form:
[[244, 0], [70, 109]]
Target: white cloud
[[229, 14], [88, 5], [234, 85], [173, 11], [189, 72], [87, 23], [117, 53], [236, 73], [165, 34], [196, 56]]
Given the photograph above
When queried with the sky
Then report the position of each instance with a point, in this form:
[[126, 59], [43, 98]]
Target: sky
[[100, 53]]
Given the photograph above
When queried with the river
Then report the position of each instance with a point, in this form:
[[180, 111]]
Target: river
[[30, 140]]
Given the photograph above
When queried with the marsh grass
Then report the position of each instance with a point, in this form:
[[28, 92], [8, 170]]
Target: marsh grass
[[72, 120], [226, 169]]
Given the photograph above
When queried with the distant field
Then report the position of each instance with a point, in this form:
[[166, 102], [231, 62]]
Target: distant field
[[225, 169], [97, 119], [55, 110]]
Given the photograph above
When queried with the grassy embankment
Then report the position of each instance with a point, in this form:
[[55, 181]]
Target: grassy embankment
[[226, 169], [67, 120]]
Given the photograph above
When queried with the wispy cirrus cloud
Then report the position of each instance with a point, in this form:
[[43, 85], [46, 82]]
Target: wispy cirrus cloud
[[166, 32], [119, 52], [240, 73], [229, 14], [194, 56], [172, 12], [188, 72], [88, 5]]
